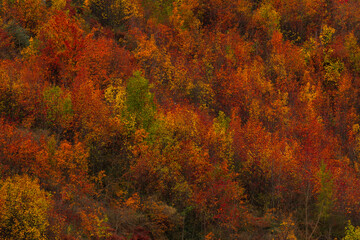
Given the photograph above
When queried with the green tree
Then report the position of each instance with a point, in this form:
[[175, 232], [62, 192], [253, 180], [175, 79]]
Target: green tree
[[325, 199], [158, 9], [58, 108], [109, 12], [325, 202], [139, 101]]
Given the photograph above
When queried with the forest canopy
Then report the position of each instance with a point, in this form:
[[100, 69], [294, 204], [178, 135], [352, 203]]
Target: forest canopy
[[179, 119]]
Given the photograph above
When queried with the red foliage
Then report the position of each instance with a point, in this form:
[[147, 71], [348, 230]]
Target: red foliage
[[63, 43], [250, 103], [141, 234]]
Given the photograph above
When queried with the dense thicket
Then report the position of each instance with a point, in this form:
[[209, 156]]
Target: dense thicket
[[186, 119]]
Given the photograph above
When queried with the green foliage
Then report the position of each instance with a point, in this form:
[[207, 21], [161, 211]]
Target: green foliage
[[7, 96], [326, 195], [353, 49], [192, 224], [58, 107], [11, 94], [351, 232], [269, 17], [333, 71], [58, 4], [224, 143], [109, 13], [333, 67], [221, 123], [139, 100], [21, 36], [24, 209], [308, 49], [159, 9]]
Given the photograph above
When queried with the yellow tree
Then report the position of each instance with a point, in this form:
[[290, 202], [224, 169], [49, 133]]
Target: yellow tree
[[24, 209]]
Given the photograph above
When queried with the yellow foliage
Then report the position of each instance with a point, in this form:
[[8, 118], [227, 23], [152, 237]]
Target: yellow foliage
[[31, 50], [132, 9], [146, 49], [326, 35], [268, 17], [115, 95], [24, 209], [287, 229], [58, 4], [184, 122]]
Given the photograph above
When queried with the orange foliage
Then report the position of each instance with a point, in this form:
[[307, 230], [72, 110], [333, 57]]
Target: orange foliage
[[245, 108]]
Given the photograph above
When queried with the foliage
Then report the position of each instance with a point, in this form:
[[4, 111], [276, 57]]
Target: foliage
[[325, 199], [111, 13], [29, 14], [24, 209], [58, 107], [351, 232], [188, 119], [139, 101], [19, 34], [269, 17], [326, 35]]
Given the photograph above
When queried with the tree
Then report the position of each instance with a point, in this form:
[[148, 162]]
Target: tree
[[29, 13], [351, 232], [109, 13], [58, 109], [139, 101], [24, 207], [62, 42]]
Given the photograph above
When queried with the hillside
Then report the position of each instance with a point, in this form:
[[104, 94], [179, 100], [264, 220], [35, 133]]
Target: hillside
[[179, 119]]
